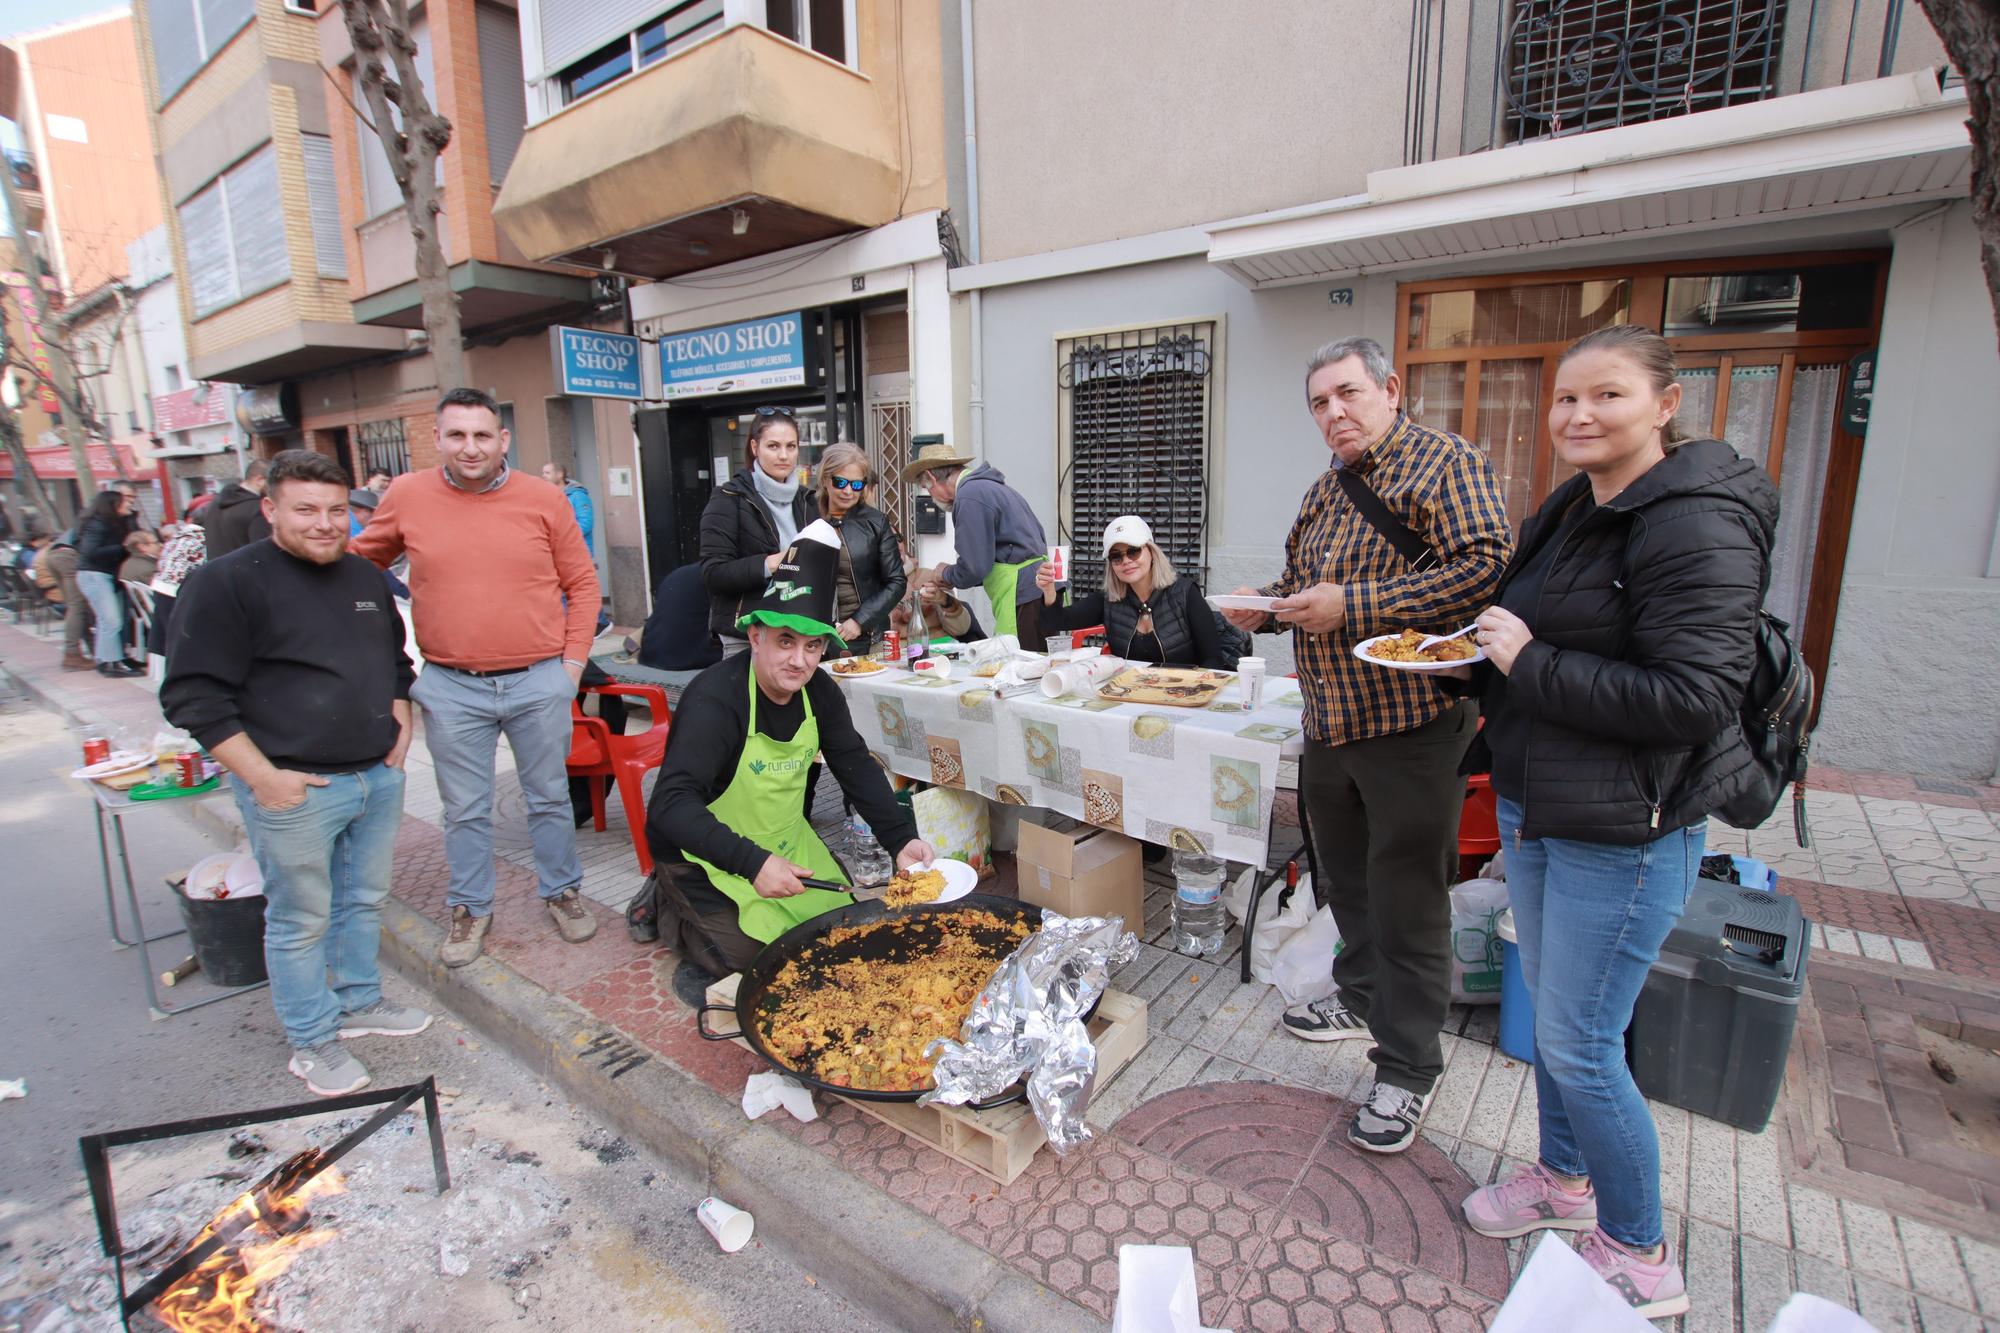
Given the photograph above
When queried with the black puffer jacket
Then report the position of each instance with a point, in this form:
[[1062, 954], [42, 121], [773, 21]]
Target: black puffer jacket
[[878, 569], [737, 535], [1642, 650]]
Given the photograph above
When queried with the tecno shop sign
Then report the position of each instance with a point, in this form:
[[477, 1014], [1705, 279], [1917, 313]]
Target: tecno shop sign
[[756, 354], [590, 364]]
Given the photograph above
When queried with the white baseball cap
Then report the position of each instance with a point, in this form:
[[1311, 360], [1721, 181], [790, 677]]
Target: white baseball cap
[[1128, 529]]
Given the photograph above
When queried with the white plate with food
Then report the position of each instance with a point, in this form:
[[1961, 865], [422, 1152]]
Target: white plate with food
[[118, 765], [1230, 601], [958, 878], [1439, 657], [852, 666]]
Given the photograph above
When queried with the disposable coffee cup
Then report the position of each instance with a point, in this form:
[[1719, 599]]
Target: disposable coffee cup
[[730, 1225], [1250, 671]]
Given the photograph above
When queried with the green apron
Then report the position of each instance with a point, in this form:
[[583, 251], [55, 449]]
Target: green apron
[[1002, 583], [765, 802]]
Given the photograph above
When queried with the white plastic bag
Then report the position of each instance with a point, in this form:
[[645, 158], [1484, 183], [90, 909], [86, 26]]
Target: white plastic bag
[[1302, 969], [1476, 906], [1277, 924], [1156, 1291]]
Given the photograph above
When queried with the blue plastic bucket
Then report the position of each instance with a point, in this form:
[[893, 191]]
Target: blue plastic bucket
[[1517, 1009]]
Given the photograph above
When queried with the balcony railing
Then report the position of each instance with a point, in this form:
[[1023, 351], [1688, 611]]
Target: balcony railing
[[1485, 75]]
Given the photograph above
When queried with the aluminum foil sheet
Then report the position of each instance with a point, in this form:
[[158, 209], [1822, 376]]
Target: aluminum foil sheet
[[1028, 1022]]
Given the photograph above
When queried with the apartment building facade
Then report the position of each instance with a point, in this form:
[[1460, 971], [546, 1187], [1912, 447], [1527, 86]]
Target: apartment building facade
[[767, 174], [299, 262], [1780, 188]]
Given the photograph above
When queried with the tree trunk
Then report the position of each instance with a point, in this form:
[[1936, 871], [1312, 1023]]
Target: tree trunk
[[1970, 30], [377, 27]]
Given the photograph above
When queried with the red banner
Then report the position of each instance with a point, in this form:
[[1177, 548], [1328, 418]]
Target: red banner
[[52, 462], [180, 411], [38, 351]]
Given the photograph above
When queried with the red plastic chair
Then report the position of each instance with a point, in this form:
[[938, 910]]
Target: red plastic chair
[[1479, 821], [597, 753], [1080, 638]]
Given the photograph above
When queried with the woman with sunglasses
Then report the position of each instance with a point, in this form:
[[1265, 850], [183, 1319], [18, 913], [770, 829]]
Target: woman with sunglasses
[[871, 568], [1149, 612], [750, 520]]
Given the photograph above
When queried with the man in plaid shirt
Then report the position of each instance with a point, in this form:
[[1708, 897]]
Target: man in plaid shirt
[[1379, 780]]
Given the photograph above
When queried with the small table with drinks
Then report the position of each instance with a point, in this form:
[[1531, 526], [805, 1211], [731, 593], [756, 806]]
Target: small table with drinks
[[127, 782]]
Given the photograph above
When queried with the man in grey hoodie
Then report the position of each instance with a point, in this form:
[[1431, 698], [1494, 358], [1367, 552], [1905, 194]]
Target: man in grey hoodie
[[999, 539]]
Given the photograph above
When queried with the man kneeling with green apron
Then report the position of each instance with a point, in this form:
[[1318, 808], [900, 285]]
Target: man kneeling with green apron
[[727, 822]]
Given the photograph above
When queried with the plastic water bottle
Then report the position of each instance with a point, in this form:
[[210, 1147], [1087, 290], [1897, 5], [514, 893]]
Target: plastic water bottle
[[1198, 919]]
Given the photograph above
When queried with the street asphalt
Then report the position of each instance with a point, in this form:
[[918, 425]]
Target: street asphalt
[[555, 1221]]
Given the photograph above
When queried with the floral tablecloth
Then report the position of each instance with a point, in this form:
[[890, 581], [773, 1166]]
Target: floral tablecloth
[[1181, 777]]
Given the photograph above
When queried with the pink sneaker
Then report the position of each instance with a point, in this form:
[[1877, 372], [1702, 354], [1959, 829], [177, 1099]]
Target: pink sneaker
[[1530, 1201], [1655, 1291]]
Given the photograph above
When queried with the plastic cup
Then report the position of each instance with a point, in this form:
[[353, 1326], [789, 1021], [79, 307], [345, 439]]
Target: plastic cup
[[1250, 671], [730, 1225], [1057, 645]]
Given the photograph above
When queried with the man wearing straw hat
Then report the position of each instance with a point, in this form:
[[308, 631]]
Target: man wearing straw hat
[[727, 822], [999, 539]]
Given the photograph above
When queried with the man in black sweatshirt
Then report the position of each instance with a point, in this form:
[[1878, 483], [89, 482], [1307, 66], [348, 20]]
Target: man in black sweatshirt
[[286, 663]]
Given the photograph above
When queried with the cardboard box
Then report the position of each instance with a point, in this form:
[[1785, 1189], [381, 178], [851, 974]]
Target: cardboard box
[[1080, 870]]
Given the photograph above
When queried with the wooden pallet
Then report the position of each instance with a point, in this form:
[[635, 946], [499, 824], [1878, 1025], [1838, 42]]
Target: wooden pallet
[[999, 1143]]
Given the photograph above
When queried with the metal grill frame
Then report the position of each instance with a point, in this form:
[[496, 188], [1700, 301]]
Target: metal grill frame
[[384, 445], [1113, 386]]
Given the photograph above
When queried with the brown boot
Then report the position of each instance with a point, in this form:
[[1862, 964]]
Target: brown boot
[[74, 660]]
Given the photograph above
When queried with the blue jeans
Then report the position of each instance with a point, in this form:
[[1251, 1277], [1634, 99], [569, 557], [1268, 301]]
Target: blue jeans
[[107, 603], [1601, 912], [326, 865], [464, 718]]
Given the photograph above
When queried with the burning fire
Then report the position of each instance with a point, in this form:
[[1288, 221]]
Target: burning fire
[[264, 1230]]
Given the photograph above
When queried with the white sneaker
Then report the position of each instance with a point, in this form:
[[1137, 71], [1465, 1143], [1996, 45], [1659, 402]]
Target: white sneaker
[[1325, 1020]]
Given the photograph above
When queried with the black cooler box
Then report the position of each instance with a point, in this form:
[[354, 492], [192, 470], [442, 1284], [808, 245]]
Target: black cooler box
[[1713, 1026]]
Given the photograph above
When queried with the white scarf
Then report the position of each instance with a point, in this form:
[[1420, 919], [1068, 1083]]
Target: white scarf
[[778, 497]]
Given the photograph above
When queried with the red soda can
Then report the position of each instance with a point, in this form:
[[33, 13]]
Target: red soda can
[[892, 645], [188, 768], [96, 749]]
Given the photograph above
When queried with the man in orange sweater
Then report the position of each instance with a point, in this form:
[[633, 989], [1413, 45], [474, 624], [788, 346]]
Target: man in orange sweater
[[505, 601]]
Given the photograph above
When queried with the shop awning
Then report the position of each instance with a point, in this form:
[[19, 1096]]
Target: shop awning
[[52, 462], [1888, 141]]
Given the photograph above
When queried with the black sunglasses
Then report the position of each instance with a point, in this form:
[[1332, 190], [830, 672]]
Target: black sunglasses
[[843, 484], [784, 412], [1118, 553]]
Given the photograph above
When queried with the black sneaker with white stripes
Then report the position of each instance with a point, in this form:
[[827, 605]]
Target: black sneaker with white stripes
[[1324, 1020], [1388, 1121]]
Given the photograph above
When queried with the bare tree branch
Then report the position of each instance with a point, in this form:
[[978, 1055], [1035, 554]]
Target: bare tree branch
[[376, 28]]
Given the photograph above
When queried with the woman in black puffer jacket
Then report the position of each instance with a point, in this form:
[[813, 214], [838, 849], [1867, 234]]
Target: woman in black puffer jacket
[[750, 520], [1618, 654], [871, 564]]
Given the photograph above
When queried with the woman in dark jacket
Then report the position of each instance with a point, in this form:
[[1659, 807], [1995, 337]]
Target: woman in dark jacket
[[1149, 612], [871, 564], [100, 549], [1618, 654], [750, 520]]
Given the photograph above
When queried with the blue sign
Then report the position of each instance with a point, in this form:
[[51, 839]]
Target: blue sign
[[756, 354], [590, 364]]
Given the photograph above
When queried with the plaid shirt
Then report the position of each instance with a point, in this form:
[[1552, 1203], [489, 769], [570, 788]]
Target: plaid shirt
[[1441, 487]]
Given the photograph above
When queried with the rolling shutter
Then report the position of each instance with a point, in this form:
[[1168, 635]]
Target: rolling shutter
[[574, 28], [501, 89], [323, 197], [257, 222], [211, 271], [176, 45]]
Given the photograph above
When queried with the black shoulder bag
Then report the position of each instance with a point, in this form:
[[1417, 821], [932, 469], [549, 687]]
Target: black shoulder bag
[[1420, 553]]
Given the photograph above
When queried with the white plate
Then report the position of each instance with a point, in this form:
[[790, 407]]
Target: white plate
[[1238, 602], [827, 666], [959, 880], [120, 762], [1361, 651]]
